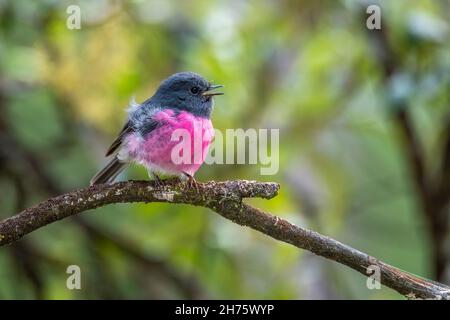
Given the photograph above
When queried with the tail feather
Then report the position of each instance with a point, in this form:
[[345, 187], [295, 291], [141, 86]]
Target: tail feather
[[109, 172]]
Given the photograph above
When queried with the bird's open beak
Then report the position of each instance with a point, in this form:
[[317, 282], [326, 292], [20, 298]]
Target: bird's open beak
[[210, 92]]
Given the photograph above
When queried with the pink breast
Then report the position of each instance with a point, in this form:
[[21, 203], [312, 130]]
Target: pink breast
[[157, 149]]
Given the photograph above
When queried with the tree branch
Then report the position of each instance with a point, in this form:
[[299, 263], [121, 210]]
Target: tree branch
[[224, 198]]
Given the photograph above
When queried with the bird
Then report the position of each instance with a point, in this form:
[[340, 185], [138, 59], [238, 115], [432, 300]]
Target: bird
[[183, 102]]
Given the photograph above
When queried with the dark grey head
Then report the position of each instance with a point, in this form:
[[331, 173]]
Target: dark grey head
[[186, 91]]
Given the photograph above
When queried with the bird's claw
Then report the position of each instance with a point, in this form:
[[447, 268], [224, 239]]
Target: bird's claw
[[158, 182], [191, 182]]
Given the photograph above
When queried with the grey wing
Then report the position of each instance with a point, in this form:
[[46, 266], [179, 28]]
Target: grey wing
[[127, 128], [140, 121]]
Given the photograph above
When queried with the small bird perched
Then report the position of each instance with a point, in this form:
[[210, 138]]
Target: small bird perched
[[183, 101]]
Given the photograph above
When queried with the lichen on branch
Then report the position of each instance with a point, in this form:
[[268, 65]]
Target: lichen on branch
[[226, 199]]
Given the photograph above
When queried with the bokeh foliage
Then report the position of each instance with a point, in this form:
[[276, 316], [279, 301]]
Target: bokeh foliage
[[305, 67]]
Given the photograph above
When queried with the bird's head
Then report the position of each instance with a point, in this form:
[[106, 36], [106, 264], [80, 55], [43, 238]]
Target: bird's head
[[187, 91]]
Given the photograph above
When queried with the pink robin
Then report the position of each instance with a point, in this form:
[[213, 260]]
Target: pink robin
[[153, 135]]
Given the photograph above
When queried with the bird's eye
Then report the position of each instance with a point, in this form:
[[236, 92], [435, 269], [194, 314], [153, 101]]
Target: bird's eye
[[195, 90]]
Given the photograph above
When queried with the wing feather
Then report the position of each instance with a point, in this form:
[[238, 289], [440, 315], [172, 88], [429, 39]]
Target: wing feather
[[142, 121], [127, 128]]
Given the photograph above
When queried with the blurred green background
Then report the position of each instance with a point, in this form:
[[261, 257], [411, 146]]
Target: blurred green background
[[364, 119]]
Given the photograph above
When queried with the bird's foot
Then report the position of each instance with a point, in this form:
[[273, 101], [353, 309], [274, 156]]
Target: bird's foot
[[191, 182], [158, 182]]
